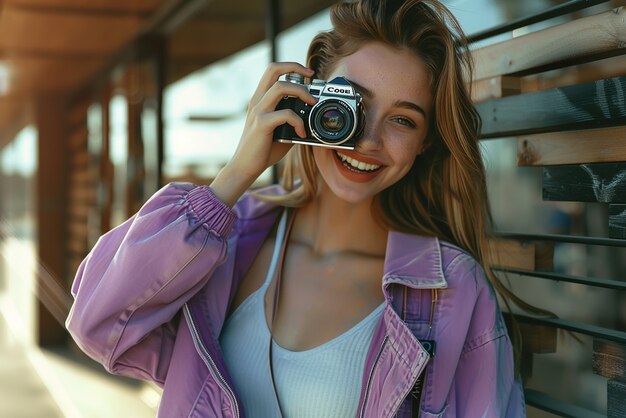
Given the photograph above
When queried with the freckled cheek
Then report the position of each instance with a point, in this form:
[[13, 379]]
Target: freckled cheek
[[404, 150]]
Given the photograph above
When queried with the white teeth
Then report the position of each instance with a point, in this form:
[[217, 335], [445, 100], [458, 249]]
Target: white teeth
[[359, 165]]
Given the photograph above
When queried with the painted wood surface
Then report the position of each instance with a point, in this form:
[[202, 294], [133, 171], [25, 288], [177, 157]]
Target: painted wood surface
[[605, 183], [598, 104], [616, 399], [609, 359], [617, 221]]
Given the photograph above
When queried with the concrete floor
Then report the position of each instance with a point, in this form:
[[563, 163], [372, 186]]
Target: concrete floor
[[22, 393], [36, 383]]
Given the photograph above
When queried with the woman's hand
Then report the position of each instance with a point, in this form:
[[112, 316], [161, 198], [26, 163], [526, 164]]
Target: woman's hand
[[256, 150]]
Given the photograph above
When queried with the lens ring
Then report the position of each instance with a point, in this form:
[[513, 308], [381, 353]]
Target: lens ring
[[332, 121]]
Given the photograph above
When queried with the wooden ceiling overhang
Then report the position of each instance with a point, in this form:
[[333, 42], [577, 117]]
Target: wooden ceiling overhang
[[60, 46]]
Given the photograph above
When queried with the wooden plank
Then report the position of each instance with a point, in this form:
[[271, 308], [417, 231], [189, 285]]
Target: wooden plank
[[544, 256], [78, 229], [83, 195], [578, 327], [495, 88], [93, 6], [583, 39], [616, 399], [78, 212], [572, 147], [77, 114], [80, 160], [608, 359], [77, 245], [546, 403], [512, 254], [575, 74], [567, 278], [617, 221], [92, 35], [583, 106], [538, 339], [78, 139], [604, 183], [81, 178]]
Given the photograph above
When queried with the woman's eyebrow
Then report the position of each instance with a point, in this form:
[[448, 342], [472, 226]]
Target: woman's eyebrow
[[400, 103], [363, 90]]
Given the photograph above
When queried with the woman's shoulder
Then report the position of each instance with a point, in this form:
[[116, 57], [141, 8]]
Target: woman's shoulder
[[252, 204], [254, 213], [460, 268]]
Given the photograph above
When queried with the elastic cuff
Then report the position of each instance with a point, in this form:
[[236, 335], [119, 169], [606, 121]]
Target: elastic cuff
[[210, 210]]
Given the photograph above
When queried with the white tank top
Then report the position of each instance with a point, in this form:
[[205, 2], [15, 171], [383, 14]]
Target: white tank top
[[324, 381]]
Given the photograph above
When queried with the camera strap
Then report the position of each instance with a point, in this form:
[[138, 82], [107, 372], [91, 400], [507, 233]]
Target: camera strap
[[410, 316], [288, 217]]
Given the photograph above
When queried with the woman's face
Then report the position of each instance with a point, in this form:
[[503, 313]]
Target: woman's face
[[397, 98]]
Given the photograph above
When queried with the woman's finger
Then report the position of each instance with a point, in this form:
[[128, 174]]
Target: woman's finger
[[273, 73], [271, 121], [280, 90]]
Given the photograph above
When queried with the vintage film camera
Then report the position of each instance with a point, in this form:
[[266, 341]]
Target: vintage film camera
[[335, 121]]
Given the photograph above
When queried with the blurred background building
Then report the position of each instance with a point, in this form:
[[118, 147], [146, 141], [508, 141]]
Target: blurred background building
[[104, 101]]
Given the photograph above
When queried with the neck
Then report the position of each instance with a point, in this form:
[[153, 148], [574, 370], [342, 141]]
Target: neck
[[330, 225]]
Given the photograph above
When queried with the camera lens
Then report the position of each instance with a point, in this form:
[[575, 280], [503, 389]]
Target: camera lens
[[332, 120]]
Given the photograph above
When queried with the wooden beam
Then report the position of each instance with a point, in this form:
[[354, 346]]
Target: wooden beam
[[583, 106], [604, 183], [512, 254], [198, 39], [580, 40], [555, 406], [538, 339], [51, 192], [495, 88], [572, 147], [608, 359], [92, 6], [617, 221], [32, 30]]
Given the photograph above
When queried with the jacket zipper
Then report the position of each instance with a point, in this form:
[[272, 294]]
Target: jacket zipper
[[369, 378], [202, 351]]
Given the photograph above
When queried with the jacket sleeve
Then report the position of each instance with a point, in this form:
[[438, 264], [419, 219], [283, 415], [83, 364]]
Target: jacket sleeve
[[138, 275], [485, 382]]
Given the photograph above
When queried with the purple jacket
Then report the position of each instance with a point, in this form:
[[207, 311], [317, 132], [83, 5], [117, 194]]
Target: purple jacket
[[153, 294]]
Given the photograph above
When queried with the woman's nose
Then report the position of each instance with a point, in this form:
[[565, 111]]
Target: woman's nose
[[370, 138]]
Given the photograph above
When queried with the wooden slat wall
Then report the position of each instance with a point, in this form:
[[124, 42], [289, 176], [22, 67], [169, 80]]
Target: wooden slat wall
[[561, 93], [81, 187]]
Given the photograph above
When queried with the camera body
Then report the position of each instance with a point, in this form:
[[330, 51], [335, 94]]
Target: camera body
[[335, 121]]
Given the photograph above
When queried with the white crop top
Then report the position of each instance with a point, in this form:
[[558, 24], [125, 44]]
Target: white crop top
[[324, 381]]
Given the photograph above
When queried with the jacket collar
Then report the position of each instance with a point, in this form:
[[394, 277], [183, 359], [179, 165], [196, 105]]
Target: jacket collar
[[414, 261]]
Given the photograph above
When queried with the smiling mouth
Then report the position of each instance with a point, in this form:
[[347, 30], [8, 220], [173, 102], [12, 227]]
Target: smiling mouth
[[356, 165]]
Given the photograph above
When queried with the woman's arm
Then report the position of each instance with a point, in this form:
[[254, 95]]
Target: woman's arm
[[138, 275]]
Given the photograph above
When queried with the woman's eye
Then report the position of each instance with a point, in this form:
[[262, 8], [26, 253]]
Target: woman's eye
[[404, 121]]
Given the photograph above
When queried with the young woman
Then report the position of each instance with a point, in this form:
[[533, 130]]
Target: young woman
[[354, 288]]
